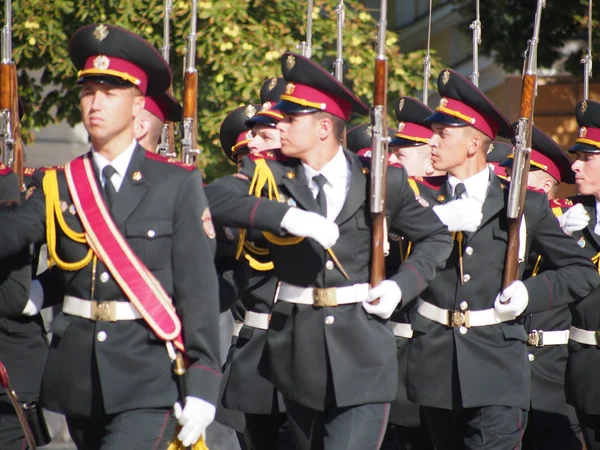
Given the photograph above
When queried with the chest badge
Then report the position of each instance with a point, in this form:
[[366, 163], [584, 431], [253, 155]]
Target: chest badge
[[581, 242]]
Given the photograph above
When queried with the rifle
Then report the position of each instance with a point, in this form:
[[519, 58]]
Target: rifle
[[520, 173], [476, 27], [427, 60], [338, 65], [379, 149], [587, 59], [12, 396], [306, 46], [189, 140], [166, 146], [11, 145]]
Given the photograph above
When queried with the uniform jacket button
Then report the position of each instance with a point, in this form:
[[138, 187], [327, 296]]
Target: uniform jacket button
[[463, 330], [151, 233], [531, 357], [464, 306], [466, 278], [101, 336], [469, 251], [104, 277], [329, 265], [329, 320]]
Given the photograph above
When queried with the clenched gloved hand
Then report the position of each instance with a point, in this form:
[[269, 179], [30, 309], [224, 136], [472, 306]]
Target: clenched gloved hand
[[389, 294], [574, 219], [460, 215], [519, 299], [310, 224], [193, 418]]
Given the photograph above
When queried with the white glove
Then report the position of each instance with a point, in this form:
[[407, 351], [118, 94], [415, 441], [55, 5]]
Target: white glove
[[194, 418], [389, 294], [460, 215], [574, 219], [519, 299], [310, 224]]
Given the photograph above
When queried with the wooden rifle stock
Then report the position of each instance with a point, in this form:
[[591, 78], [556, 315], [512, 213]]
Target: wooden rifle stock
[[12, 147], [189, 122]]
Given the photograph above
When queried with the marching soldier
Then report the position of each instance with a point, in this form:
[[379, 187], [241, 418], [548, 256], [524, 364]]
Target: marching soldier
[[581, 379], [497, 154], [328, 351], [245, 389], [552, 423], [148, 126], [468, 365], [118, 223]]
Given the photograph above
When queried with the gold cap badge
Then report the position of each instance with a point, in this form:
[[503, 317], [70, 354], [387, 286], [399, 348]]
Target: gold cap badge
[[369, 131], [582, 132], [272, 83], [401, 126], [100, 32], [289, 88], [290, 62], [583, 107], [101, 62], [400, 104], [443, 102], [266, 106], [250, 111], [445, 76]]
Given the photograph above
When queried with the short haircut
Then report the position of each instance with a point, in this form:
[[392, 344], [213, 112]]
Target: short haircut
[[339, 125]]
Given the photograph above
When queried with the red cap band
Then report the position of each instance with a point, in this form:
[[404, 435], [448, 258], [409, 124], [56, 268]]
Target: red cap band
[[304, 95], [542, 162], [156, 107], [589, 136], [464, 112], [115, 67], [413, 132]]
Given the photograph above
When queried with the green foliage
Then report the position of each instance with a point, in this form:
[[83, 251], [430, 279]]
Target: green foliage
[[507, 25], [239, 43]]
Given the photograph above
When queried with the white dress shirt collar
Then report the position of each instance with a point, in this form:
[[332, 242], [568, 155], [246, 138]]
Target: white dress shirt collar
[[476, 185], [120, 164]]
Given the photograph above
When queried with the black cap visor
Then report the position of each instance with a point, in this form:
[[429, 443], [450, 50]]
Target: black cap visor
[[445, 119], [108, 79], [585, 148], [403, 142], [286, 107], [261, 119]]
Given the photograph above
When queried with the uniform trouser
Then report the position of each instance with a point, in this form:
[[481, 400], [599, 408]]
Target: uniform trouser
[[547, 430], [142, 429], [266, 433], [12, 436], [590, 428], [413, 438], [488, 427], [359, 427]]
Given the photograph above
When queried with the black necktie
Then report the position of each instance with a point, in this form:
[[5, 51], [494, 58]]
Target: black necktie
[[321, 199], [109, 187], [459, 190]]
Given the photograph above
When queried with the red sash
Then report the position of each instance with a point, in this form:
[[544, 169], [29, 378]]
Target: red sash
[[143, 290]]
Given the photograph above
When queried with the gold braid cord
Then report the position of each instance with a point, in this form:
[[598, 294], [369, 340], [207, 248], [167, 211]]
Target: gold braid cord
[[264, 177], [596, 260], [557, 210], [53, 210]]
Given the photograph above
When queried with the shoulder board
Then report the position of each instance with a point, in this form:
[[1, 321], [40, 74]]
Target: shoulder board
[[4, 170], [171, 161], [396, 165], [59, 168], [561, 203], [272, 155], [431, 182]]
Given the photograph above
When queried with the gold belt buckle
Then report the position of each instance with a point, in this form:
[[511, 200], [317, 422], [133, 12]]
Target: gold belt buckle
[[104, 311], [535, 338], [324, 297], [458, 319]]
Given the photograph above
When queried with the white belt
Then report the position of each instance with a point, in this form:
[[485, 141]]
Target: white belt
[[541, 338], [583, 336], [332, 296], [254, 320], [464, 318], [109, 311], [403, 330], [237, 326]]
